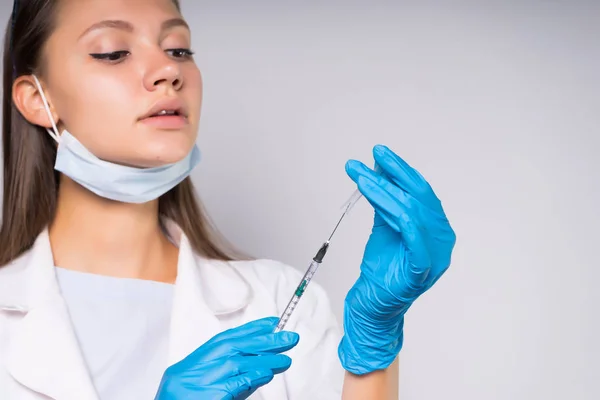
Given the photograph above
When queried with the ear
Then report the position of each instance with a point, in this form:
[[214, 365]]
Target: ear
[[29, 102]]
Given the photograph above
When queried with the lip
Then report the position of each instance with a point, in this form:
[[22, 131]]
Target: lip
[[172, 104], [166, 122]]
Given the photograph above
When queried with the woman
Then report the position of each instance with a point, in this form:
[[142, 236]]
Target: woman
[[112, 285]]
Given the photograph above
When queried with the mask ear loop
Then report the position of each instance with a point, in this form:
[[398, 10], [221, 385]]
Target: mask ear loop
[[54, 134]]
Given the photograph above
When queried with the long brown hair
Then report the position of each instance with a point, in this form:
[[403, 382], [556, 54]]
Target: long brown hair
[[30, 181]]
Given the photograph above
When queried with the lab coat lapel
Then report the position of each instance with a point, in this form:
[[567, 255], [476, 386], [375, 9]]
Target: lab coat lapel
[[208, 296], [192, 322], [44, 355]]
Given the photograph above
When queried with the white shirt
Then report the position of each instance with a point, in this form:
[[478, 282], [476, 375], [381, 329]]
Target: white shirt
[[41, 358], [122, 327]]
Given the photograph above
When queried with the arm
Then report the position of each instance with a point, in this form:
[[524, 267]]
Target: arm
[[378, 385]]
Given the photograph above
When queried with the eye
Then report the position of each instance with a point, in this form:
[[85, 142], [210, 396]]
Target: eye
[[181, 53], [113, 56]]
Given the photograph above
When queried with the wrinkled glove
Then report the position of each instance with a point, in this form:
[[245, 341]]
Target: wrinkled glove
[[409, 249], [230, 366]]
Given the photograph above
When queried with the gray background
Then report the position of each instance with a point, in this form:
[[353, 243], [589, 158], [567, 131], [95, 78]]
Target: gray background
[[495, 102]]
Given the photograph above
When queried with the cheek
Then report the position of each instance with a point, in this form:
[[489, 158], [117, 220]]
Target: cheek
[[99, 105], [193, 92], [101, 113], [109, 101]]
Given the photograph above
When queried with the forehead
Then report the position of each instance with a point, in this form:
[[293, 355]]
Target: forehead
[[75, 16]]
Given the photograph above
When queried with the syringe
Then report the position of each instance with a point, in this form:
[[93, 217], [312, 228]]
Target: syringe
[[314, 265], [310, 272]]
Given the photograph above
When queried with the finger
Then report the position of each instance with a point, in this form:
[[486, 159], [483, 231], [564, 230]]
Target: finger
[[396, 214], [356, 169], [242, 386], [416, 272], [212, 349], [238, 365], [435, 227], [256, 327], [220, 369], [269, 343], [406, 177], [427, 269], [440, 261]]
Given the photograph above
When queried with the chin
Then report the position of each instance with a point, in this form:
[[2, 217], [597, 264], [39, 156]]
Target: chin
[[159, 156], [165, 157], [166, 149]]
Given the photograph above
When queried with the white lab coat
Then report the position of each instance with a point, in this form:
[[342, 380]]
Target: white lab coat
[[40, 358]]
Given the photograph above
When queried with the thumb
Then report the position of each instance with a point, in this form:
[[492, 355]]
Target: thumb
[[240, 387]]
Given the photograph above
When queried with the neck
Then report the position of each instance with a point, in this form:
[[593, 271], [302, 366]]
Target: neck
[[95, 235]]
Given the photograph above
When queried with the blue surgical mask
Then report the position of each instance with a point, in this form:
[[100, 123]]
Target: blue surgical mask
[[114, 181]]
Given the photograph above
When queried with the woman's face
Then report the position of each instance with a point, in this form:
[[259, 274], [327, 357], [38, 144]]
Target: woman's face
[[110, 64]]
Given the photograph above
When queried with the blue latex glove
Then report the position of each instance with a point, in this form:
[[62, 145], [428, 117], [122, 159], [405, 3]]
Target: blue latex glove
[[409, 249], [232, 365]]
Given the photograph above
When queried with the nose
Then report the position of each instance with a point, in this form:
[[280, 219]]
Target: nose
[[165, 73]]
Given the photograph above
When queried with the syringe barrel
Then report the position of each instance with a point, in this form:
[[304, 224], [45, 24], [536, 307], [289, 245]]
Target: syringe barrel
[[289, 309]]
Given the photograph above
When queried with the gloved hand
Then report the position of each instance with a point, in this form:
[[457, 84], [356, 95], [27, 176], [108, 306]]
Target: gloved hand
[[409, 249], [230, 366]]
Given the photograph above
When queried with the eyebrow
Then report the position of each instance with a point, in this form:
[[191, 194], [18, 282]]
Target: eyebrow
[[126, 26]]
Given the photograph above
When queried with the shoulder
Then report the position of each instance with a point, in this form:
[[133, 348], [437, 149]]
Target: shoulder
[[16, 266], [14, 277], [17, 276]]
